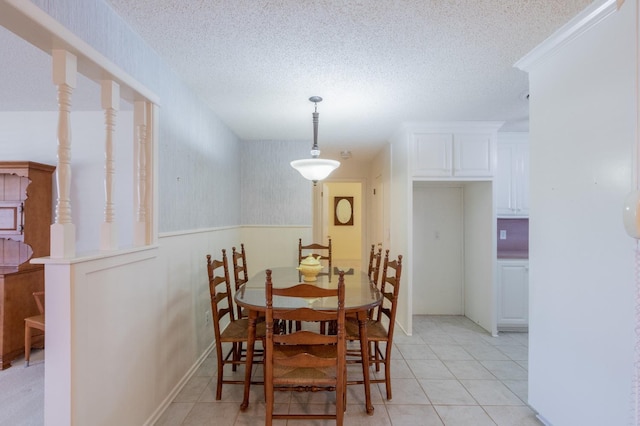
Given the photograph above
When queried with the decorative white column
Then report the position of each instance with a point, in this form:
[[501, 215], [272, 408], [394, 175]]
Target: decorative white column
[[111, 105], [140, 122], [63, 232]]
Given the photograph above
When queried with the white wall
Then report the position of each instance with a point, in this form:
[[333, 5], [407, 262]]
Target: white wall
[[479, 255], [400, 219], [438, 244], [583, 138], [272, 246], [271, 191], [378, 203]]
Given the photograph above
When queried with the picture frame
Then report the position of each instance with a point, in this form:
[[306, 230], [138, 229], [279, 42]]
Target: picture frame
[[343, 211]]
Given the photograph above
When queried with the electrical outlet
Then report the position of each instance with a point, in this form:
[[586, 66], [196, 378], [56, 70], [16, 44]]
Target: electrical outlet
[[207, 316], [503, 234]]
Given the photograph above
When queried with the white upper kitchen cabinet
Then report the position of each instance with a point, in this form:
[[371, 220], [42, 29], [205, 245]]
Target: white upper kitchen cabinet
[[454, 150], [512, 175], [433, 154]]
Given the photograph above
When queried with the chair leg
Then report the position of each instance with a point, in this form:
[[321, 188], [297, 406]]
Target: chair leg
[[269, 397], [344, 394], [268, 389], [27, 345], [235, 356], [220, 376], [387, 370]]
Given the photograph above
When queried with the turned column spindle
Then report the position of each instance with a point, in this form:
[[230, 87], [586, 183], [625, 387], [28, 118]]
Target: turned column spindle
[[111, 105], [63, 230]]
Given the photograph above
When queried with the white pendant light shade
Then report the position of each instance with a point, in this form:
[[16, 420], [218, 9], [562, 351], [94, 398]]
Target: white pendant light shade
[[315, 169]]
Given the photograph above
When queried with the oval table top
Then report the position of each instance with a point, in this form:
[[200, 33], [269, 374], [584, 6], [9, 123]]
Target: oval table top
[[360, 294]]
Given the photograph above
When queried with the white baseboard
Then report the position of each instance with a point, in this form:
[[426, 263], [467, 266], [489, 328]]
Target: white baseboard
[[544, 421], [178, 387]]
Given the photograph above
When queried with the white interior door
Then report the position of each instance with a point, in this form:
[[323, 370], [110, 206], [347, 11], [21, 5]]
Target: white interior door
[[320, 215], [438, 271], [378, 212], [326, 196]]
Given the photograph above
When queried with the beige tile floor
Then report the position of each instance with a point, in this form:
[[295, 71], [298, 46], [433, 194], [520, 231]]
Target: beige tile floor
[[450, 372]]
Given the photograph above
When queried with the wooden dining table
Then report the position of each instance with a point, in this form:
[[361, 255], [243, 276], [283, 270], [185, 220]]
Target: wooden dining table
[[360, 296]]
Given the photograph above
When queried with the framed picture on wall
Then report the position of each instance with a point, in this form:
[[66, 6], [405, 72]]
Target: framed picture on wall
[[343, 211]]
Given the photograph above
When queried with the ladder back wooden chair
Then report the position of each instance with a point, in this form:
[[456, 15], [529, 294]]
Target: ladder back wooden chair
[[380, 328], [235, 333], [304, 360], [323, 254], [240, 275], [319, 251], [375, 259], [31, 323]]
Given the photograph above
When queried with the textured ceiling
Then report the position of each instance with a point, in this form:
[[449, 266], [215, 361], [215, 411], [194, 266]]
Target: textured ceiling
[[375, 63]]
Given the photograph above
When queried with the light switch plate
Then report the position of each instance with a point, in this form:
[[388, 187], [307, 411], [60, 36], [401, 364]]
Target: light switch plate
[[503, 234]]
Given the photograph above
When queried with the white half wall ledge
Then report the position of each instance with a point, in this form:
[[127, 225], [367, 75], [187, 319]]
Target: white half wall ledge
[[589, 17]]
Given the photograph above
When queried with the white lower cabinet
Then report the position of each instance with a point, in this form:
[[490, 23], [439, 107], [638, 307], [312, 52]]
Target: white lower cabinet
[[513, 294]]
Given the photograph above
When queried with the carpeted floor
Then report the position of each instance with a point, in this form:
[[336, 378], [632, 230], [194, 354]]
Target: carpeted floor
[[22, 392]]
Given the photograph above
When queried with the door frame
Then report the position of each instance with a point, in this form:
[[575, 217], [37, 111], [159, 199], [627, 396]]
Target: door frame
[[322, 212]]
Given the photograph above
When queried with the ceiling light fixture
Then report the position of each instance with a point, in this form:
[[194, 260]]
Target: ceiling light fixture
[[315, 168]]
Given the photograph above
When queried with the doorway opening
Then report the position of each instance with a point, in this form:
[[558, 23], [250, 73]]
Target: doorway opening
[[454, 242], [339, 214]]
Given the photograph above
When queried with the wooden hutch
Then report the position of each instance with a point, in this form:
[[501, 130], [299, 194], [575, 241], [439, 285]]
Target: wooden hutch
[[25, 220]]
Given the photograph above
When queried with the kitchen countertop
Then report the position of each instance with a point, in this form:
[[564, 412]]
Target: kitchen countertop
[[513, 254]]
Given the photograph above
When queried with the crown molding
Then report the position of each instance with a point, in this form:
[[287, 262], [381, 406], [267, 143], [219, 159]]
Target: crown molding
[[585, 20]]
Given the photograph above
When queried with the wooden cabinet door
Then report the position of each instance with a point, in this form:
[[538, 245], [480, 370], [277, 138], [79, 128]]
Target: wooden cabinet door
[[11, 219]]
